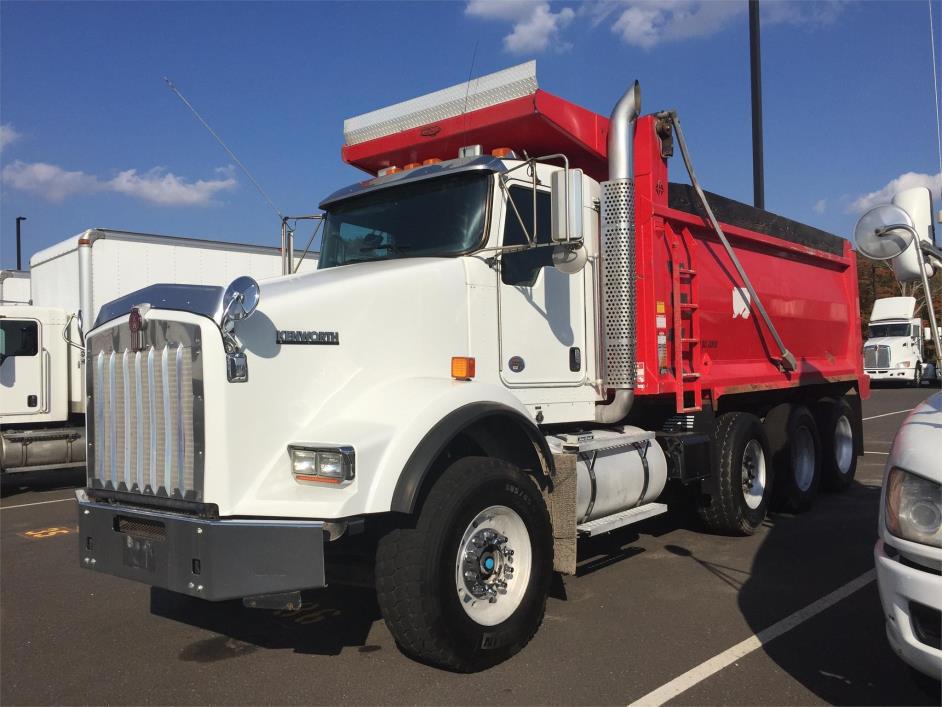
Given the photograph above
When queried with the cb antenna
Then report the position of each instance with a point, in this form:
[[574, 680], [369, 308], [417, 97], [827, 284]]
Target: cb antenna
[[231, 154]]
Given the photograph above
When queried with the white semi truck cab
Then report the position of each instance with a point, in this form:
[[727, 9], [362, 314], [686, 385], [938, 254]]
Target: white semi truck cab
[[893, 351], [518, 332]]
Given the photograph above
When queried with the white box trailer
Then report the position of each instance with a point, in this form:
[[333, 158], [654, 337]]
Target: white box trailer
[[42, 359], [14, 287]]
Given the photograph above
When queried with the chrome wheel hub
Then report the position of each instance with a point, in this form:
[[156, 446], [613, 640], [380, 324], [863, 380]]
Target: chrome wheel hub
[[843, 444], [753, 474], [492, 567]]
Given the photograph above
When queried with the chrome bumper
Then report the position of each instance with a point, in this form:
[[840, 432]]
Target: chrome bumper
[[209, 559]]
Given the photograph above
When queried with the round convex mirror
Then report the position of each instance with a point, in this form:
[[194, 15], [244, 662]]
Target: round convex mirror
[[883, 232], [568, 259], [240, 298]]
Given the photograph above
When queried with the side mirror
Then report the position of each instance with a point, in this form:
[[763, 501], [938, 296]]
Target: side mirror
[[566, 207], [570, 259], [884, 232], [240, 299], [926, 334]]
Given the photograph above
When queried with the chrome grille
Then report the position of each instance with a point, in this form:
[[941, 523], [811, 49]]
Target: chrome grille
[[146, 420], [876, 357]]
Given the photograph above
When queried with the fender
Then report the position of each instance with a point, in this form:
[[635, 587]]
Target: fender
[[434, 443]]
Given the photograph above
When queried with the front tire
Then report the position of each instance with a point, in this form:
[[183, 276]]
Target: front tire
[[737, 494], [466, 588], [917, 377]]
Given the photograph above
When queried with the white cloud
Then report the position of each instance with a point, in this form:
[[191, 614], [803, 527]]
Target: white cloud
[[8, 134], [156, 186], [535, 26], [167, 189], [904, 181], [820, 206], [648, 23], [48, 180]]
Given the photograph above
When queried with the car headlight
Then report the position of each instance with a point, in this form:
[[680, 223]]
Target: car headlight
[[903, 364], [913, 508], [323, 465]]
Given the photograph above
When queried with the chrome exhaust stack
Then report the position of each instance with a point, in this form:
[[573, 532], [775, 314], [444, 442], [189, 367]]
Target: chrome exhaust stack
[[618, 261]]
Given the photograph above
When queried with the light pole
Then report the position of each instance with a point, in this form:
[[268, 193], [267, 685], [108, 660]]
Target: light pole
[[755, 65], [19, 258]]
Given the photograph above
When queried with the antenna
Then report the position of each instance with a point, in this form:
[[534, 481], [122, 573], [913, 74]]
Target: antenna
[[231, 154]]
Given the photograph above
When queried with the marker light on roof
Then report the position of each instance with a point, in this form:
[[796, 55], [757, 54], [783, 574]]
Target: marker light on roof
[[504, 153], [411, 165], [431, 160], [388, 170]]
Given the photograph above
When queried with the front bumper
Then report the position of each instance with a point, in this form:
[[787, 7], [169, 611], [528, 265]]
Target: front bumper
[[891, 374], [209, 559], [899, 585]]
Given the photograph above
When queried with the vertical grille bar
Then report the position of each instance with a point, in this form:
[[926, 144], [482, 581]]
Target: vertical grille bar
[[139, 399], [112, 426], [168, 418], [100, 416], [151, 395], [126, 415], [181, 428]]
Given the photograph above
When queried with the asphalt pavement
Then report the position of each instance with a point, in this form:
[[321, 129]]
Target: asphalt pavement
[[650, 603]]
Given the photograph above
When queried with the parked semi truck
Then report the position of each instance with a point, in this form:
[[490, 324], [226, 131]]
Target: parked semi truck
[[519, 333], [894, 348], [42, 356]]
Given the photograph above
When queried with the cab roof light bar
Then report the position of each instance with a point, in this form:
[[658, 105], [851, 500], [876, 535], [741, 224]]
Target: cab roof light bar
[[483, 92]]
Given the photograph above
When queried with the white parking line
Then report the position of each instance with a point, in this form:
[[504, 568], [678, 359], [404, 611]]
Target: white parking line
[[700, 673], [887, 414], [38, 503]]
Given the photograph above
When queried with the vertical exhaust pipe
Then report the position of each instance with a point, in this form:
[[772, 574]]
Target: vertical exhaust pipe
[[618, 261]]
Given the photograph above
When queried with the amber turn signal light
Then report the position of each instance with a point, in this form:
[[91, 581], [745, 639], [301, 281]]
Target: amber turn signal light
[[462, 368]]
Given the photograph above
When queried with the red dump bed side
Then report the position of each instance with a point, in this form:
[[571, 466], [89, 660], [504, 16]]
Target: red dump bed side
[[809, 291], [692, 324]]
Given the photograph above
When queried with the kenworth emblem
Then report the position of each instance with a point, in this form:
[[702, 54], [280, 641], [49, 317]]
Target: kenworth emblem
[[325, 338]]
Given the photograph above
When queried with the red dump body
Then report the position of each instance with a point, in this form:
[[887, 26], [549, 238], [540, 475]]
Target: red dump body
[[691, 315]]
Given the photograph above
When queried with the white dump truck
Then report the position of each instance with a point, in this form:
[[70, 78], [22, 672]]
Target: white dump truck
[[42, 327], [519, 331], [894, 351]]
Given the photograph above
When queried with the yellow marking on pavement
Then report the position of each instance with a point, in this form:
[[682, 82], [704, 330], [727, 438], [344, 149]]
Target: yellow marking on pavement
[[43, 533]]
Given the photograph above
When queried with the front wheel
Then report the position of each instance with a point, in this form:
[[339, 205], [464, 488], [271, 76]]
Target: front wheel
[[917, 377], [466, 588]]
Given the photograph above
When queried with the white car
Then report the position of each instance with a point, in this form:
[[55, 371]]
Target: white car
[[908, 553]]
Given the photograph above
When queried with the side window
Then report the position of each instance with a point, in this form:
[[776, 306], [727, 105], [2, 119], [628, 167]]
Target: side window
[[521, 269], [18, 338]]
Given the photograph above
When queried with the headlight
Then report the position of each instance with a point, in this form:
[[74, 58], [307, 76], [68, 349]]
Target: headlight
[[903, 364], [914, 508], [311, 464]]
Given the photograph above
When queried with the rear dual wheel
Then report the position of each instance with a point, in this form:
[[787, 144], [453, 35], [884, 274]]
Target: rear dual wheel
[[838, 443], [796, 456], [736, 495]]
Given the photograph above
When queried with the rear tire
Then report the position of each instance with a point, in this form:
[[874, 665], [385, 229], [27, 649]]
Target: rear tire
[[796, 457], [736, 496], [838, 443], [437, 599]]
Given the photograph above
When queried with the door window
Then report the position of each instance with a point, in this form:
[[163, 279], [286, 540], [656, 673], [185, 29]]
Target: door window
[[521, 269], [18, 337]]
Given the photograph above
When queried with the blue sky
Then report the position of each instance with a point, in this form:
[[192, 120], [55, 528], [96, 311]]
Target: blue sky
[[92, 137]]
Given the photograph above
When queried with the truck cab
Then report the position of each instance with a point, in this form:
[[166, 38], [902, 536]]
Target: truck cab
[[893, 351]]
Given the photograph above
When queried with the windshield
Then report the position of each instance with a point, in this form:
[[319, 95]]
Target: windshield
[[443, 216], [878, 330]]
